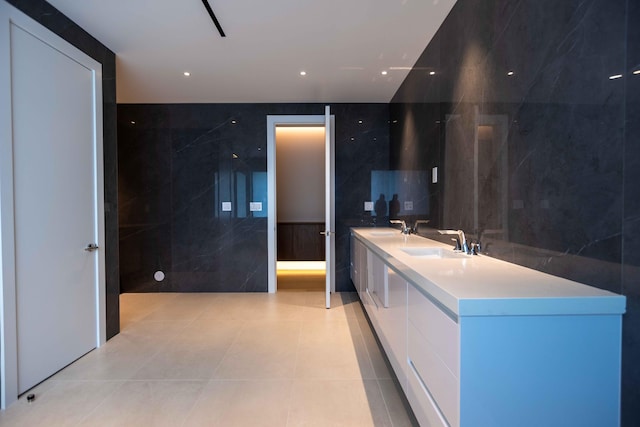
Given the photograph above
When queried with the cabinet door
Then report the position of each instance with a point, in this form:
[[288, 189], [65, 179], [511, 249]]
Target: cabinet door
[[393, 326], [358, 265], [374, 282], [377, 280]]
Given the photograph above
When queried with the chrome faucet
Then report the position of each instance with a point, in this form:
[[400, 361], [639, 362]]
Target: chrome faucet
[[461, 242], [404, 229]]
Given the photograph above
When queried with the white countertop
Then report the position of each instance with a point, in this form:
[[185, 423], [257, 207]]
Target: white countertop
[[477, 285]]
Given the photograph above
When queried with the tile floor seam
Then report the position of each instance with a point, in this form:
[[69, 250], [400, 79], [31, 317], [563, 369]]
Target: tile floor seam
[[366, 348], [386, 404], [104, 399], [195, 403], [295, 370], [226, 352]]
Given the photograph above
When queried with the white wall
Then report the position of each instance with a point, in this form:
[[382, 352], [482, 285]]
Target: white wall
[[300, 174]]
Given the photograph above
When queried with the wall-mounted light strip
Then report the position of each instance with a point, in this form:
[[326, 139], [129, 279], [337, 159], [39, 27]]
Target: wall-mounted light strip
[[213, 17]]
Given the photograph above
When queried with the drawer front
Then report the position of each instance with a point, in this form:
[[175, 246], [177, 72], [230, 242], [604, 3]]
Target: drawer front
[[440, 383], [423, 406], [435, 326]]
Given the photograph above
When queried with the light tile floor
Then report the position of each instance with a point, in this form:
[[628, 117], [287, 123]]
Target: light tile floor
[[225, 360]]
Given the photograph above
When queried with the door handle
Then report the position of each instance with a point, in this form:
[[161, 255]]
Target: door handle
[[91, 247], [327, 233]]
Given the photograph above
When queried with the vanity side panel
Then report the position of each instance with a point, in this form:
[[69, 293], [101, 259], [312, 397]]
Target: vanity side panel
[[540, 370]]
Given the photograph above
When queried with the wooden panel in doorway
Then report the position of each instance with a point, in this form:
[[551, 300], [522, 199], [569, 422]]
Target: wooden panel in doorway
[[301, 241]]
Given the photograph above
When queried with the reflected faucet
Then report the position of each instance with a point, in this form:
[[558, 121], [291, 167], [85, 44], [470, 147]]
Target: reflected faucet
[[404, 229], [417, 223]]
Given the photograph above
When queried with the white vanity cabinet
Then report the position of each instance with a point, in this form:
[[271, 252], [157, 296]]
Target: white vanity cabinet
[[384, 296], [433, 357], [479, 342]]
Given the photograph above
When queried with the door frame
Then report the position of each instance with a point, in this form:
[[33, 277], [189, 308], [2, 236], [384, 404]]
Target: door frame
[[274, 121], [9, 16]]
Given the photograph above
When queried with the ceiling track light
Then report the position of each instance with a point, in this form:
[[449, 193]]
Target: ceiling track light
[[213, 17]]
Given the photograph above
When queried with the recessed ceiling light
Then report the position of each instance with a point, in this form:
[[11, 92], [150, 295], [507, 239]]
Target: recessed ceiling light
[[432, 73], [615, 76], [303, 73], [186, 74], [384, 73], [234, 155], [233, 122], [510, 73], [132, 122], [359, 121], [636, 72]]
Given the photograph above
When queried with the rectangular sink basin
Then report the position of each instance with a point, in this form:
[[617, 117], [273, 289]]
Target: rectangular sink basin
[[431, 253], [384, 233]]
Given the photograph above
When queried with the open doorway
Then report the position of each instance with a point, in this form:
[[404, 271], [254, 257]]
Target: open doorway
[[326, 123], [300, 207]]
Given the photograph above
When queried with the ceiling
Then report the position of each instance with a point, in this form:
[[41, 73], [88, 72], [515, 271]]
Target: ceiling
[[343, 45]]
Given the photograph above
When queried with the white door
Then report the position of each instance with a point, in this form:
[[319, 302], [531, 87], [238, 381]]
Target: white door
[[330, 219], [57, 203]]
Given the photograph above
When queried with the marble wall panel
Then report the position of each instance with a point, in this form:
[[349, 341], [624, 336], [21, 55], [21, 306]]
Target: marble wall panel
[[631, 224], [537, 142], [178, 163]]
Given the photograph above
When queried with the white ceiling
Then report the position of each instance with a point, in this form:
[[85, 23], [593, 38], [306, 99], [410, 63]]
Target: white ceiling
[[343, 45]]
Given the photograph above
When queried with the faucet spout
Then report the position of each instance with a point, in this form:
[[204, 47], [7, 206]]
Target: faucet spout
[[404, 229], [461, 240]]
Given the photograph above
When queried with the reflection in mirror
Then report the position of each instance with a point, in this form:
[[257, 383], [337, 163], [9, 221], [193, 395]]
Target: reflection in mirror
[[399, 194], [476, 174], [242, 190]]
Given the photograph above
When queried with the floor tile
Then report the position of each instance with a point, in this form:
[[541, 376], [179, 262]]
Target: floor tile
[[262, 351], [337, 403], [58, 403], [226, 360], [332, 350], [146, 403], [242, 403]]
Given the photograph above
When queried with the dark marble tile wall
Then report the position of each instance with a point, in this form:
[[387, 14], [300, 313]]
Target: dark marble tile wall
[[535, 141], [51, 18], [178, 162], [631, 222]]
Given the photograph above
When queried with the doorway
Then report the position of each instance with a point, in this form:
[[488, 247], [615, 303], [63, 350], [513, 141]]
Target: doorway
[[323, 124], [300, 207]]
